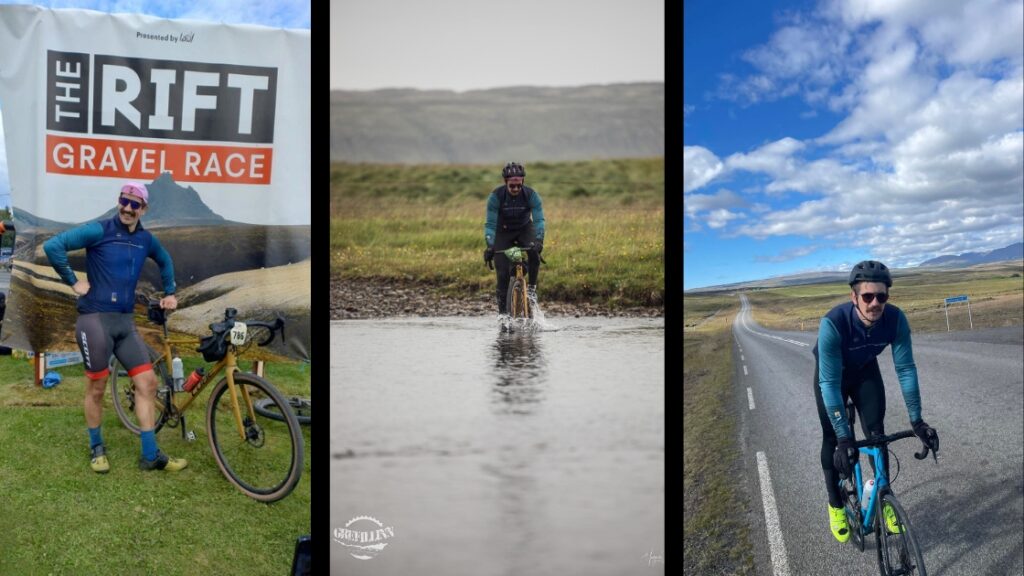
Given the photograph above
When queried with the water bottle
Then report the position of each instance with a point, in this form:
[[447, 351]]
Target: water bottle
[[869, 489], [178, 373], [194, 378]]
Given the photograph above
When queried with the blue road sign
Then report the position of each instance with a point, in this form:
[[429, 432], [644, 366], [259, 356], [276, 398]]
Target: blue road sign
[[956, 299]]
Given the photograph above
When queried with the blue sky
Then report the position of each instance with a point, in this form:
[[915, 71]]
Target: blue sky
[[821, 133], [273, 13]]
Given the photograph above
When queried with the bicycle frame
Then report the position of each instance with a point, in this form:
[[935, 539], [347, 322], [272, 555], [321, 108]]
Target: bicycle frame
[[867, 524], [229, 363]]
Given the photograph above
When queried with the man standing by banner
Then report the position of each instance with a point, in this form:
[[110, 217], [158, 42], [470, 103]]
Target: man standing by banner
[[115, 253]]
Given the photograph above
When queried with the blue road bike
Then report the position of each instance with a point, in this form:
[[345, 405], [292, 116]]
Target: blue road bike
[[898, 553]]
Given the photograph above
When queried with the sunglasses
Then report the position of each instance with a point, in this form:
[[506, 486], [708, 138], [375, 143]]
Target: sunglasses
[[126, 201], [515, 186], [868, 297]]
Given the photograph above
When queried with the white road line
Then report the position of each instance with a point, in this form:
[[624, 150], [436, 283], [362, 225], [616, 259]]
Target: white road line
[[743, 320], [750, 398], [780, 565], [744, 369], [742, 358]]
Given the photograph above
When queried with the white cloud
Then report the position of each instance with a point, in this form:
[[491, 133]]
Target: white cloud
[[719, 218], [694, 203], [787, 255], [700, 166], [774, 158], [928, 157]]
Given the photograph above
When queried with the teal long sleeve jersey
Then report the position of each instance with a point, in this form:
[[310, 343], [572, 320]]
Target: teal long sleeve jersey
[[845, 342]]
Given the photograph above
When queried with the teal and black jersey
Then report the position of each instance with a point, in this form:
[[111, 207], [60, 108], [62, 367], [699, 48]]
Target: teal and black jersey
[[844, 342], [113, 262], [508, 213]]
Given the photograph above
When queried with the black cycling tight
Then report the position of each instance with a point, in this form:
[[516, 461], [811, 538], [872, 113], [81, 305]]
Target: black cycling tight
[[865, 387]]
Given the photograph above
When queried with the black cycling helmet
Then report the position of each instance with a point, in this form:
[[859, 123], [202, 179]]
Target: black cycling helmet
[[513, 169], [870, 271]]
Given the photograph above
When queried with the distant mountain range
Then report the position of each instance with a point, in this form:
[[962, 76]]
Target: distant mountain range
[[1011, 252], [177, 206], [495, 126]]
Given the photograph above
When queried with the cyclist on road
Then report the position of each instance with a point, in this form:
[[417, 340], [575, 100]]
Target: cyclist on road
[[115, 251], [850, 338], [515, 217]]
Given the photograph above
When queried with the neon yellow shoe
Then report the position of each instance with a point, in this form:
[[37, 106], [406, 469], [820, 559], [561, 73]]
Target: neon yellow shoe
[[890, 519], [98, 462], [837, 520]]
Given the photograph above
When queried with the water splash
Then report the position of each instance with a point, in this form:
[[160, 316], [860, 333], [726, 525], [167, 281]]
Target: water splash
[[539, 323]]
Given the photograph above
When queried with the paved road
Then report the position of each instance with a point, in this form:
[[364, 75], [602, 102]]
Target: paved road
[[968, 509]]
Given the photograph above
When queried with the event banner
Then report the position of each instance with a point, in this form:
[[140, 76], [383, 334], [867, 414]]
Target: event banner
[[213, 118]]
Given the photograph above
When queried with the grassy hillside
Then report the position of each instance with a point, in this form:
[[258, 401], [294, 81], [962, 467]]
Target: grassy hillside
[[996, 293], [525, 123], [604, 241]]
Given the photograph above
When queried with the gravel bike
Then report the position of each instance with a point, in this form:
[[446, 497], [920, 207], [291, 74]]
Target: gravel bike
[[260, 455]]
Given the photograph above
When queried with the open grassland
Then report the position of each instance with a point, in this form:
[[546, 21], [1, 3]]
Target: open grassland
[[996, 293], [715, 534], [424, 224]]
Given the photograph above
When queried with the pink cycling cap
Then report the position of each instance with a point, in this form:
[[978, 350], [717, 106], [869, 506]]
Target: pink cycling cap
[[136, 189]]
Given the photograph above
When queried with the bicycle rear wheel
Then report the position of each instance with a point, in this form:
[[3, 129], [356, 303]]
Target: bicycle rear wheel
[[266, 463], [302, 407], [122, 390], [897, 553]]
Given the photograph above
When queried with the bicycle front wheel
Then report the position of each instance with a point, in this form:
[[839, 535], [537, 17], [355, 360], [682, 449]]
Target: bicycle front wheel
[[122, 391], [264, 458], [518, 306], [897, 553]]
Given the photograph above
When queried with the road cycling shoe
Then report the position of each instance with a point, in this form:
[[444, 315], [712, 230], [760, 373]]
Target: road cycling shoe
[[837, 520], [890, 519], [162, 462], [99, 463]]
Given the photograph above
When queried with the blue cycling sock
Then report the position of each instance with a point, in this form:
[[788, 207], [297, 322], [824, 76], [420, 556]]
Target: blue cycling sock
[[95, 439], [148, 445]]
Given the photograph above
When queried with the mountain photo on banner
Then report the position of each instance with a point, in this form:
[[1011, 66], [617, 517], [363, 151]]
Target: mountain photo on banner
[[212, 118]]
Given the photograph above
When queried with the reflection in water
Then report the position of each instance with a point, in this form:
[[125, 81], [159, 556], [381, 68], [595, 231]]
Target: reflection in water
[[520, 372]]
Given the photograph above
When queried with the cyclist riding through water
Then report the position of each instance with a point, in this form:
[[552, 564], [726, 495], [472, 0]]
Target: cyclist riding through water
[[115, 251], [850, 338], [515, 217]]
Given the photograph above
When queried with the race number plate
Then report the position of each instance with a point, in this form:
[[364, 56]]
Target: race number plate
[[238, 334]]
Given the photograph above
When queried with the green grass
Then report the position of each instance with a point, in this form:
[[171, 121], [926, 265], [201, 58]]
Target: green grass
[[59, 517], [715, 533], [604, 241]]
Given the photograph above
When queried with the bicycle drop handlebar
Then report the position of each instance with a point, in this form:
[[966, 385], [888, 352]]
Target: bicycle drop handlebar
[[223, 329], [882, 440]]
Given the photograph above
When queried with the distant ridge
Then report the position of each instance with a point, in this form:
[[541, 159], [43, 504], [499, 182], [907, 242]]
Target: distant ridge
[[1011, 252], [521, 123]]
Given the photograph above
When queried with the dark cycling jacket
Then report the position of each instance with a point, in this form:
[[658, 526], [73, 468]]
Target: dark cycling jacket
[[113, 262], [508, 213], [845, 342]]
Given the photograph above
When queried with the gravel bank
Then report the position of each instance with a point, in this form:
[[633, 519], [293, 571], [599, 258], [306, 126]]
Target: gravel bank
[[357, 299]]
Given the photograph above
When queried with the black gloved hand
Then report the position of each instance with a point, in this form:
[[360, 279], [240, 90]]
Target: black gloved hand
[[489, 257], [927, 434], [539, 245], [845, 457]]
